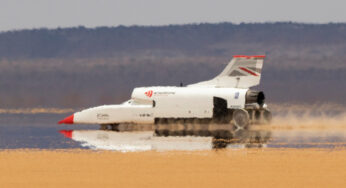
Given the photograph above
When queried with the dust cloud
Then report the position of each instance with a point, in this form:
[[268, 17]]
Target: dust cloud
[[311, 116]]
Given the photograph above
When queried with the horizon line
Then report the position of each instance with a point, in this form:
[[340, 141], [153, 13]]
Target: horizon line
[[167, 25]]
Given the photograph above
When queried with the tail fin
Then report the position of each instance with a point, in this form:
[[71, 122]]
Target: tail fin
[[241, 72]]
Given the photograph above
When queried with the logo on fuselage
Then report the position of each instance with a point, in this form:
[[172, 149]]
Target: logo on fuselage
[[236, 95], [149, 93], [102, 116]]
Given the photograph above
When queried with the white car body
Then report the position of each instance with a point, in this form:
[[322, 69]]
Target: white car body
[[229, 91]]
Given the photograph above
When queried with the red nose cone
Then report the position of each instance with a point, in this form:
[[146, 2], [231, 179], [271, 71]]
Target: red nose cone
[[68, 120], [67, 133]]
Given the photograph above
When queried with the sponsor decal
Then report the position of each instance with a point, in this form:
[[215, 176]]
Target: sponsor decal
[[145, 115], [164, 93], [149, 93], [236, 95], [235, 106], [102, 116]]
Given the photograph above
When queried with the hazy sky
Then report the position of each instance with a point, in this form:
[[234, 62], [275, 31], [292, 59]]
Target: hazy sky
[[19, 14]]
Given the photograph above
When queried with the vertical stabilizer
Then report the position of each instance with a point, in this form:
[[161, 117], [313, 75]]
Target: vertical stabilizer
[[241, 72]]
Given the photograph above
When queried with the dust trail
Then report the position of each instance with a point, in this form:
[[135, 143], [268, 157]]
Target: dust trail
[[36, 111], [308, 116]]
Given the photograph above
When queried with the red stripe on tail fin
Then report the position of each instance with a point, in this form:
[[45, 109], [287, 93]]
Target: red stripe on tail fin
[[249, 56], [248, 71]]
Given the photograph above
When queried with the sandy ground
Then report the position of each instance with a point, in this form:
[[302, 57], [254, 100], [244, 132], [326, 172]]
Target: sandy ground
[[222, 168]]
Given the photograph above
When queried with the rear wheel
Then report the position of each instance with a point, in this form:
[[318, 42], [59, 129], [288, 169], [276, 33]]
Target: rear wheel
[[241, 118]]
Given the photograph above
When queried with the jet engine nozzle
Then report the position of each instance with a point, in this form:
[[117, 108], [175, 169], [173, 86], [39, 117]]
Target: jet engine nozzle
[[255, 97]]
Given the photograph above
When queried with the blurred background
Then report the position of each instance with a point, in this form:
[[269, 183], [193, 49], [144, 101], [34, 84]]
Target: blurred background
[[81, 67], [48, 60]]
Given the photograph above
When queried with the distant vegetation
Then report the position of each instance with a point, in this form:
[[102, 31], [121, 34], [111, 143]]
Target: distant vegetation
[[78, 67]]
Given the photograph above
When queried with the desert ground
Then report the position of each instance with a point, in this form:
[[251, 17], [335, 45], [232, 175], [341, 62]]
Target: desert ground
[[224, 168]]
